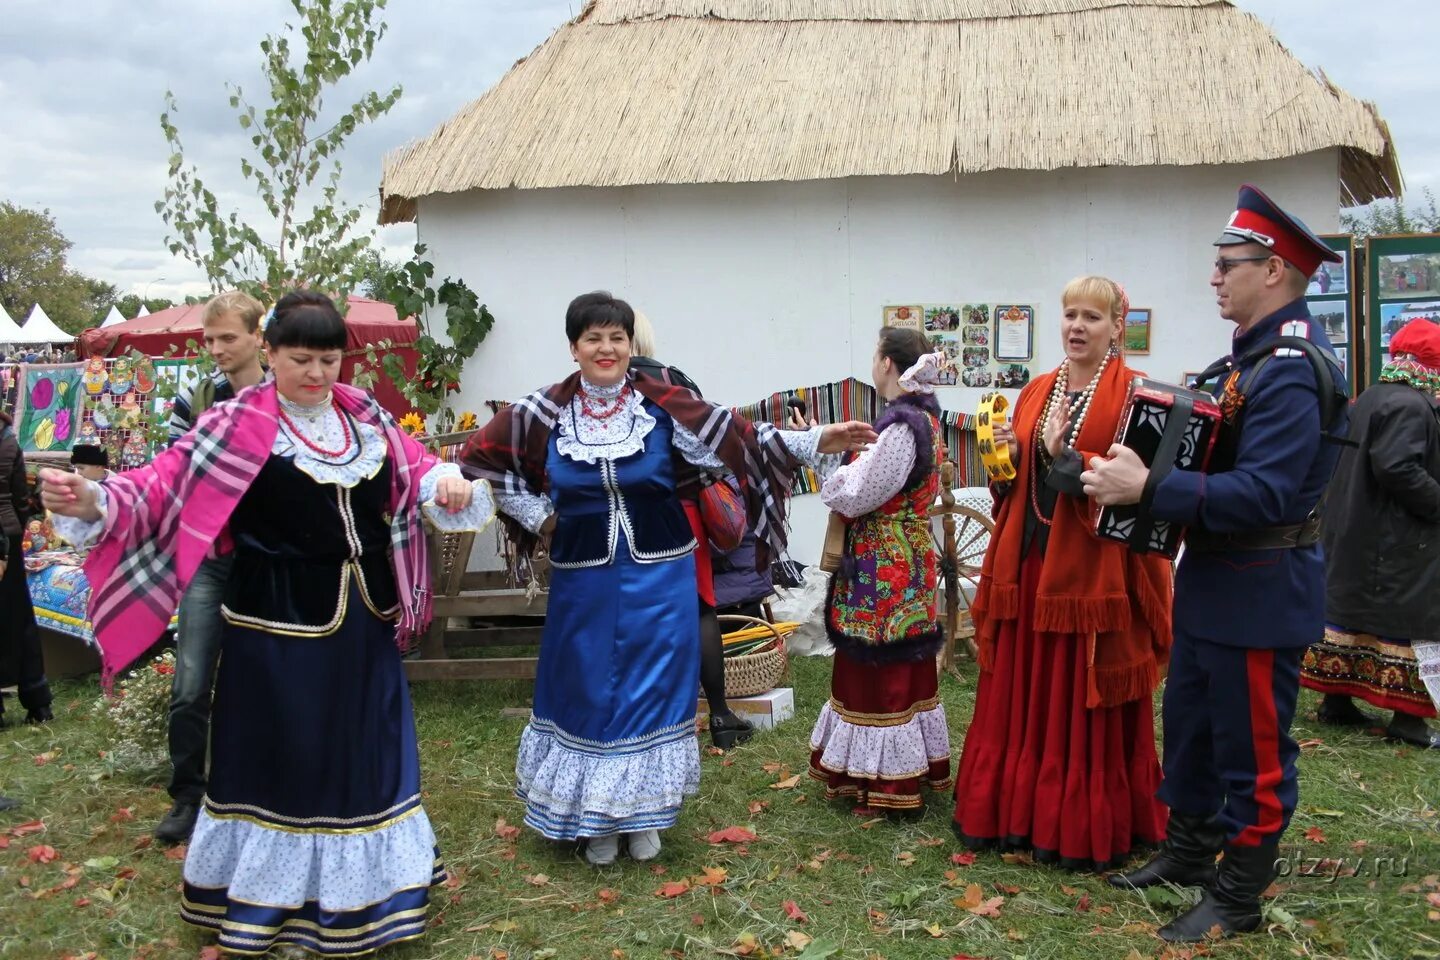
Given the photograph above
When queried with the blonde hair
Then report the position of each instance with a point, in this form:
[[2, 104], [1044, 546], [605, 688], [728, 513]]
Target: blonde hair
[[238, 302], [1100, 290], [642, 341]]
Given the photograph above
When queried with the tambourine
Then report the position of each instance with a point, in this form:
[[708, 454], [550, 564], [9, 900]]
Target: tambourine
[[994, 456]]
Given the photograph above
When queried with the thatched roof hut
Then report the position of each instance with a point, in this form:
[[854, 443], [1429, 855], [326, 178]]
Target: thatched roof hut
[[731, 91]]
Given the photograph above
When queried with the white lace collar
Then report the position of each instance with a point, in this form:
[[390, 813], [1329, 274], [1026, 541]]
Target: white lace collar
[[581, 436], [322, 425]]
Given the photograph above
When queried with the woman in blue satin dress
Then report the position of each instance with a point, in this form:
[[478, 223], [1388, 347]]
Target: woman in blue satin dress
[[595, 463]]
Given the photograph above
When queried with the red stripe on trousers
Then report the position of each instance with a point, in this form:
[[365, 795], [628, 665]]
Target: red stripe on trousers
[[1265, 741]]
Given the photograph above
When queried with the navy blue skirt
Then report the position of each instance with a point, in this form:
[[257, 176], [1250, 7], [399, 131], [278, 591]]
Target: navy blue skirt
[[312, 831]]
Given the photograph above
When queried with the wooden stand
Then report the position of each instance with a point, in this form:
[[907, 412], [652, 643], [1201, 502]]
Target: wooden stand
[[518, 618], [966, 534]]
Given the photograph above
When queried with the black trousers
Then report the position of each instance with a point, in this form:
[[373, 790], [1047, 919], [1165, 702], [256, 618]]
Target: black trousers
[[22, 662]]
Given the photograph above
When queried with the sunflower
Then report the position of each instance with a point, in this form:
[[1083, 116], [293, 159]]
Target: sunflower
[[413, 424], [468, 421]]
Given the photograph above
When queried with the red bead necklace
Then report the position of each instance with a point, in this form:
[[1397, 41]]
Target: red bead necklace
[[597, 409], [332, 454]]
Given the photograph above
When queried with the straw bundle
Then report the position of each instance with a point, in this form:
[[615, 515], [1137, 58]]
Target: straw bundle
[[732, 91]]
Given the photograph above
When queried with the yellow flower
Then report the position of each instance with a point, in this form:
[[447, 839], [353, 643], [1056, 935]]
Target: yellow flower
[[413, 424], [468, 421]]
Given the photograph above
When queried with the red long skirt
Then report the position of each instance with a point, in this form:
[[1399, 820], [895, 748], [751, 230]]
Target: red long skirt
[[1040, 772], [882, 737]]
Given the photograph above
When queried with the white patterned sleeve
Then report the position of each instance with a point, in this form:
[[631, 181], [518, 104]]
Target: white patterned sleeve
[[82, 534], [695, 451], [875, 476], [477, 516], [530, 510], [804, 445]]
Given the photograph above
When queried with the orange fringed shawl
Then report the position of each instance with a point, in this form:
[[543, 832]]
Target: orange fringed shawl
[[1118, 600]]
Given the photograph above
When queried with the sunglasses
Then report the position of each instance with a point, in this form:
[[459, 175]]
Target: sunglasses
[[1224, 265]]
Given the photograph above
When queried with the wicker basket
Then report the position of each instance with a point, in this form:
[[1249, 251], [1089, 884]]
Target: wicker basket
[[751, 674]]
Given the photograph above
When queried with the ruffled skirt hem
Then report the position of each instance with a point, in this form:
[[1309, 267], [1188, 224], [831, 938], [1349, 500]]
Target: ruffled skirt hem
[[332, 893], [574, 788]]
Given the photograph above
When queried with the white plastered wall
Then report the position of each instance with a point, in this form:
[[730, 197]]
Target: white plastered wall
[[755, 288]]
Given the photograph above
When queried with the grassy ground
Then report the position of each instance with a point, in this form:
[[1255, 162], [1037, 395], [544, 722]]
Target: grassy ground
[[860, 890]]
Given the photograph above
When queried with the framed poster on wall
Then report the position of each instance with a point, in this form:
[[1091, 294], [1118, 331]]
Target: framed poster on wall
[[1331, 297], [1402, 274]]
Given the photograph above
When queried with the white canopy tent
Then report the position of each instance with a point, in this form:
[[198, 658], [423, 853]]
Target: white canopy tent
[[144, 312], [39, 328], [9, 329], [113, 317]]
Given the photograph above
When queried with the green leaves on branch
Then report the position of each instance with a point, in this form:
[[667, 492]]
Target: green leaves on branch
[[410, 288], [293, 163]]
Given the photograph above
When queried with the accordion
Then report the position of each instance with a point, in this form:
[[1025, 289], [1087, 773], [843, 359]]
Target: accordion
[[1170, 428]]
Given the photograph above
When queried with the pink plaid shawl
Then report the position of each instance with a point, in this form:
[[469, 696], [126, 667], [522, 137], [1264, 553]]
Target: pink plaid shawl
[[164, 519]]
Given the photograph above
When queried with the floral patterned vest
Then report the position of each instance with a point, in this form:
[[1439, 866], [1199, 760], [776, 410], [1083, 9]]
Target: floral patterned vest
[[881, 606]]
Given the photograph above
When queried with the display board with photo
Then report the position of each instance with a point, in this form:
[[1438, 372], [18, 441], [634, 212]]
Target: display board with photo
[[967, 332], [939, 319], [1402, 284], [1334, 316], [1331, 278], [1137, 330], [1409, 275]]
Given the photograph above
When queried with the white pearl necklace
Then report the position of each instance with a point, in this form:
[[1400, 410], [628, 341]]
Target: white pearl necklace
[[1082, 403]]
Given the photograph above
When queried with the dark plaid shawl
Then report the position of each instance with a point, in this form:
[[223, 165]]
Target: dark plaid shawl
[[511, 449]]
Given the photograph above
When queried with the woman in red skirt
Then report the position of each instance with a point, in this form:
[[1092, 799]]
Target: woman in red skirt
[[882, 737], [1073, 631]]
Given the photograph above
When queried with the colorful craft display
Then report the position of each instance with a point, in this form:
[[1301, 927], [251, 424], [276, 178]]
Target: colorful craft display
[[49, 404], [112, 403]]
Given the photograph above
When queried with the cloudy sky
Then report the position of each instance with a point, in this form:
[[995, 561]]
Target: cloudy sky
[[82, 85]]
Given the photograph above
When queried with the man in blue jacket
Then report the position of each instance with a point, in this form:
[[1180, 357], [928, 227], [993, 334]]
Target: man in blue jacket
[[1250, 588]]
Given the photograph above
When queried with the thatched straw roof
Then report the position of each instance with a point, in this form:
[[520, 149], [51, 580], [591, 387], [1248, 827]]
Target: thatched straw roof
[[725, 91]]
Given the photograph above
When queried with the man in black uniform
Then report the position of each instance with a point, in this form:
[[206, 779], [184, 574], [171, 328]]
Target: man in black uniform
[[1250, 588]]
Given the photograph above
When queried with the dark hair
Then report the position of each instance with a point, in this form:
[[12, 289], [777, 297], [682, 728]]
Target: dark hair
[[903, 347], [598, 309], [306, 319]]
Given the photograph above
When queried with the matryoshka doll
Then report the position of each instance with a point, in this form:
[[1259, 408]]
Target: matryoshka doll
[[34, 540], [88, 433], [144, 375], [94, 376], [129, 412], [134, 453], [120, 377]]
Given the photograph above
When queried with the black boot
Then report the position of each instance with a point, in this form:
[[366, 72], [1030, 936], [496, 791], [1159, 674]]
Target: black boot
[[7, 803], [1232, 905], [179, 823], [1186, 858], [39, 715], [730, 729]]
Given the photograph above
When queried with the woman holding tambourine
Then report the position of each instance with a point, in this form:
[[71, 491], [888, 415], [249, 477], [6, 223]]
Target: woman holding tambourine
[[1073, 631]]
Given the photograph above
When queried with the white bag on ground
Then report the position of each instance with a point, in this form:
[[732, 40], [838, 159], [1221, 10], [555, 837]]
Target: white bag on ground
[[805, 605]]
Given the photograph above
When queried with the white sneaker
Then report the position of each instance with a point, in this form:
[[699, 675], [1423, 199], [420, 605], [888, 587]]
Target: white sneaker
[[644, 845], [602, 851]]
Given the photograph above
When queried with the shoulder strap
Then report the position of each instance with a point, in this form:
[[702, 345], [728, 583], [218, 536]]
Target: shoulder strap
[[202, 399], [1320, 363]]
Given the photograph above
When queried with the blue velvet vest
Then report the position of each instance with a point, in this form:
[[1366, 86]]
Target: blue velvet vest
[[634, 497]]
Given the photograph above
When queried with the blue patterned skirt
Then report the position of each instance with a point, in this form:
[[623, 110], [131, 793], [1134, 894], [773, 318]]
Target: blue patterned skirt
[[611, 747]]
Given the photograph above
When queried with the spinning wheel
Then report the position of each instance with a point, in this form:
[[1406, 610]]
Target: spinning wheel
[[966, 535]]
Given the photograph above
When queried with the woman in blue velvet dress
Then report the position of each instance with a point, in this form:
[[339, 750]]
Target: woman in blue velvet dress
[[313, 832], [595, 463]]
